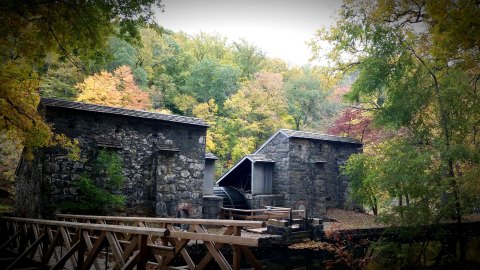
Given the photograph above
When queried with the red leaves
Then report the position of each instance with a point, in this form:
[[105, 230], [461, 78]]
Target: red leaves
[[358, 124]]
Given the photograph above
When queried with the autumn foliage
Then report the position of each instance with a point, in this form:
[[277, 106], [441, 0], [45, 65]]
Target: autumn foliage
[[356, 123], [117, 89]]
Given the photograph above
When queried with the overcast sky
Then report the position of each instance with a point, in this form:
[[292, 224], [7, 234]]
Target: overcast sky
[[279, 28]]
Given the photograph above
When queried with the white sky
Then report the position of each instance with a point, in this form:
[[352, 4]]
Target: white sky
[[279, 28]]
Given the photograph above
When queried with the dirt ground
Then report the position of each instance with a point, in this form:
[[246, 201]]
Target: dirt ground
[[342, 220]]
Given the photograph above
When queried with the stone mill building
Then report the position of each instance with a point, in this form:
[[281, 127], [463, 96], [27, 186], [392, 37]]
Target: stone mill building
[[163, 159], [295, 169]]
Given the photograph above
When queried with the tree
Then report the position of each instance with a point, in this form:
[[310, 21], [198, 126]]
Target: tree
[[210, 79], [249, 58], [416, 74], [358, 124], [207, 46], [256, 111], [125, 54], [307, 101], [117, 89], [29, 30]]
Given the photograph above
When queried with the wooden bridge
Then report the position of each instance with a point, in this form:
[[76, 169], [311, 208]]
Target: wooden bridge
[[85, 242]]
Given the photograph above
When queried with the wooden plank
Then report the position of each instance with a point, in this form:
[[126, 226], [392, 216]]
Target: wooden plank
[[143, 252], [89, 226], [32, 247], [218, 222], [132, 261], [217, 238], [217, 256], [161, 250], [94, 251], [61, 263], [116, 249], [131, 247], [67, 240], [88, 242], [15, 236], [179, 245], [237, 254], [51, 248]]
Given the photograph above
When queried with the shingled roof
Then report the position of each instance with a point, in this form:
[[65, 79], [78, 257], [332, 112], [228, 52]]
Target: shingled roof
[[317, 136], [60, 103], [309, 135]]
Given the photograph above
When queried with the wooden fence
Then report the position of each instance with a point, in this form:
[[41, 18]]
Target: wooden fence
[[193, 229], [54, 243], [269, 212]]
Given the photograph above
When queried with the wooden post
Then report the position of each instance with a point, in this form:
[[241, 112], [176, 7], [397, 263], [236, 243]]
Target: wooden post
[[237, 254], [290, 217], [142, 247]]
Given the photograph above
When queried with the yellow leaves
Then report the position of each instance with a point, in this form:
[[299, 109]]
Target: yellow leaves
[[244, 146], [10, 153], [206, 111], [117, 89], [18, 106], [185, 103]]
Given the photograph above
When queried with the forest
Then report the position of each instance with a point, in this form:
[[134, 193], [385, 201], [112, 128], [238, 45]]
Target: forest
[[402, 78]]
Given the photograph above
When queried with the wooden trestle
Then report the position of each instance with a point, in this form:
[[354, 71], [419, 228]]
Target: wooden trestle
[[52, 243], [132, 240]]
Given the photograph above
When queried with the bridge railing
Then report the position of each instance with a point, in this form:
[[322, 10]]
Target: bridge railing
[[182, 231], [269, 212], [77, 245]]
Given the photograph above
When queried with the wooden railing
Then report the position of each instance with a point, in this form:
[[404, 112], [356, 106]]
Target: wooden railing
[[57, 243], [193, 229], [269, 212]]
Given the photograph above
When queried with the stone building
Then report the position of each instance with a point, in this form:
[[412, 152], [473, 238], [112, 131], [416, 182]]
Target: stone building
[[295, 169], [163, 159]]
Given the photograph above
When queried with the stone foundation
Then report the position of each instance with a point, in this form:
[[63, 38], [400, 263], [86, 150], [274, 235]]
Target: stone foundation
[[211, 207], [260, 201], [163, 162]]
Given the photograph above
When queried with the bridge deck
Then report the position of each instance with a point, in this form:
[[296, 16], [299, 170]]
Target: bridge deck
[[82, 241]]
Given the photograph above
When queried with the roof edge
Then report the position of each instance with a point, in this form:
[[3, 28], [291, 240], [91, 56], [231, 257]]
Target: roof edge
[[231, 170], [81, 106]]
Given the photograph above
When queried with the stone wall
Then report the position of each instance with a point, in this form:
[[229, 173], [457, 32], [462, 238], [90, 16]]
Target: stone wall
[[260, 201], [211, 206], [277, 149], [163, 163], [306, 172], [315, 179]]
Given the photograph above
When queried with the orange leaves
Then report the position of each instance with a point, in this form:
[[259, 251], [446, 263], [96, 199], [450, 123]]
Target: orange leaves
[[117, 90]]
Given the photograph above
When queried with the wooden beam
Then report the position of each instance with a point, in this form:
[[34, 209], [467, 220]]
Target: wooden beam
[[89, 226], [95, 250], [116, 249], [219, 258], [217, 238], [218, 222], [53, 244], [31, 248], [61, 263], [88, 242]]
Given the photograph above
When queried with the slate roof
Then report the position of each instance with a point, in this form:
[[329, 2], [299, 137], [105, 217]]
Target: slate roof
[[209, 155], [308, 135], [60, 103], [317, 136], [259, 158], [254, 158]]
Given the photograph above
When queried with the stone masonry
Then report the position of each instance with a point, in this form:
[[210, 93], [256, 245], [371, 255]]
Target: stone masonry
[[163, 159], [306, 171], [307, 167]]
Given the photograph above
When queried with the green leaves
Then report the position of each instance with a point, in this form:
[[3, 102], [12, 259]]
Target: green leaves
[[99, 190], [210, 79], [417, 76]]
